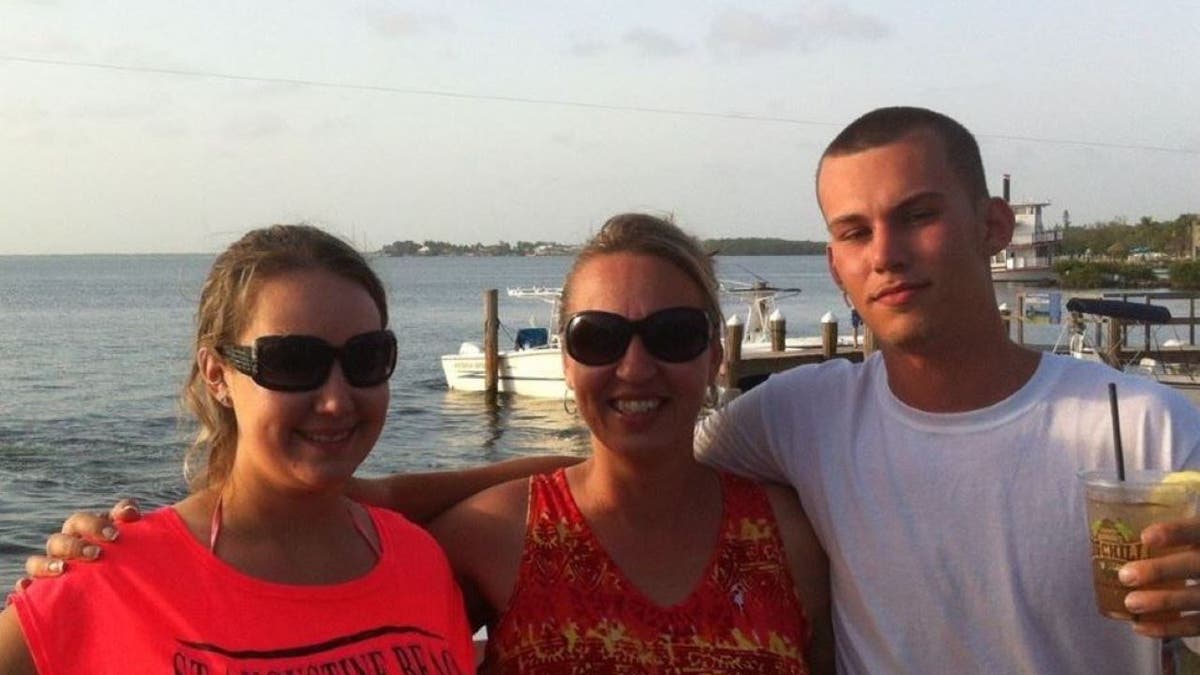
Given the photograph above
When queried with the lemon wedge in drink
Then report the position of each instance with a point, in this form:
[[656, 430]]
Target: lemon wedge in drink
[[1188, 481], [1189, 477]]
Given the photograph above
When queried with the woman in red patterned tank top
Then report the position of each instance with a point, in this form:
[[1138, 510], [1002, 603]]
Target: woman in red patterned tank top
[[640, 559]]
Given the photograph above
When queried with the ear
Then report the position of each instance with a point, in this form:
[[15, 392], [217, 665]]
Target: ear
[[837, 279], [999, 223], [716, 358], [568, 366], [213, 370]]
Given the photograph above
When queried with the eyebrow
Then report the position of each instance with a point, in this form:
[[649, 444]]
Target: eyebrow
[[855, 217]]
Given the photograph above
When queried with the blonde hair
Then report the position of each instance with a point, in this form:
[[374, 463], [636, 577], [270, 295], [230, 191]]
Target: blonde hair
[[226, 300], [660, 238]]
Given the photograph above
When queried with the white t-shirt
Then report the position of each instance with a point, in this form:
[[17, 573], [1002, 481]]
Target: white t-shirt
[[957, 541]]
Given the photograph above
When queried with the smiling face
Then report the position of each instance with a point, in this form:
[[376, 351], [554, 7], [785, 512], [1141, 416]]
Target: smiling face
[[638, 404], [311, 440], [908, 244]]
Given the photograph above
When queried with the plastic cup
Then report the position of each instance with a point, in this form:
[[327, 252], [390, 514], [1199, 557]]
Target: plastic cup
[[1117, 511]]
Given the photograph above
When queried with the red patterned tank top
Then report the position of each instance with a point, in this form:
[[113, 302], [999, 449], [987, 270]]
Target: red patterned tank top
[[573, 610]]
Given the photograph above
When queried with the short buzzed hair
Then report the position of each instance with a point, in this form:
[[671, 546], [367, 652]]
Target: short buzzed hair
[[888, 125]]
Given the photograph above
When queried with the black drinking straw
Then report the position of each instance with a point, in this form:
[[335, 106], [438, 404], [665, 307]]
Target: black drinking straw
[[1116, 422]]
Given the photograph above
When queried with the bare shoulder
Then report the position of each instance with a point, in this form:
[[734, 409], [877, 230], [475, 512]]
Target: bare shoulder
[[809, 568], [784, 502], [799, 540], [500, 506], [14, 653], [483, 537]]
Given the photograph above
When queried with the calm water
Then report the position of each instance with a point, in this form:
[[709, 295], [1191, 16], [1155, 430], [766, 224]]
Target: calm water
[[93, 350]]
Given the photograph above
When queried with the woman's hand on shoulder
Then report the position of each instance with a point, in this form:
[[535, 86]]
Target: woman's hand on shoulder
[[81, 538]]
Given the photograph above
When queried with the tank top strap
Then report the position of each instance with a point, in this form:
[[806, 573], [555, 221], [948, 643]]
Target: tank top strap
[[550, 499], [362, 525], [362, 528]]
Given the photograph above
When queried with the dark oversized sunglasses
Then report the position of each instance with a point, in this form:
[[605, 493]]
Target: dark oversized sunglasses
[[673, 335], [303, 362]]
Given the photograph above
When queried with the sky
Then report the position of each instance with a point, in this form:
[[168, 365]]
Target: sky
[[138, 126]]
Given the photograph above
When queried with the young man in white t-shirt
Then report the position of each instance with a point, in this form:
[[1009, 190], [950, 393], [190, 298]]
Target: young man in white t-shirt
[[940, 474]]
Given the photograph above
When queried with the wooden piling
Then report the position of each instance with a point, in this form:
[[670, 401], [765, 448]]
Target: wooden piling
[[1112, 351], [778, 326], [868, 345], [829, 333], [491, 342], [733, 353], [1020, 318], [1006, 317]]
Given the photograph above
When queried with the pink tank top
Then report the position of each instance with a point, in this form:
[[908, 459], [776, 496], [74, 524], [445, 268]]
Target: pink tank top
[[572, 607]]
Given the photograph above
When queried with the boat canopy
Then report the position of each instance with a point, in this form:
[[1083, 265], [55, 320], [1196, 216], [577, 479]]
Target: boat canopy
[[1120, 309]]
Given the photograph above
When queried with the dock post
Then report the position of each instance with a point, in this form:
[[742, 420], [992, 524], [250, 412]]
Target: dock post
[[1021, 318], [1112, 351], [733, 354], [868, 344], [778, 326], [1147, 343], [491, 330], [1006, 317], [829, 332]]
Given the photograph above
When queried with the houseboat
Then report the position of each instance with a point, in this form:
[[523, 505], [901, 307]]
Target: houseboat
[[1029, 257]]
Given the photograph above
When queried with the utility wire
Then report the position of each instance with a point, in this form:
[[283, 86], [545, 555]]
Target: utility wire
[[588, 105]]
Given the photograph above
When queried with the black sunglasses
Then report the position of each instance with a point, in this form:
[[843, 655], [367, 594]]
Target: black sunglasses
[[673, 335], [303, 362]]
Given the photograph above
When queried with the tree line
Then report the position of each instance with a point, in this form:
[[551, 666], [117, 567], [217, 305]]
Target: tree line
[[1118, 239], [726, 246]]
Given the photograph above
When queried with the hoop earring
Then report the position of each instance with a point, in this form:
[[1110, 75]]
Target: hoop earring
[[712, 397], [569, 406]]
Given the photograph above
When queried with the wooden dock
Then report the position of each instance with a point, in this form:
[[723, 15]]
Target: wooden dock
[[742, 370]]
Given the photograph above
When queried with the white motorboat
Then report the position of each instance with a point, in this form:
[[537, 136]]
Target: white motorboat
[[532, 367]]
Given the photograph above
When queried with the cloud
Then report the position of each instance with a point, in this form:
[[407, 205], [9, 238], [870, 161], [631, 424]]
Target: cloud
[[394, 24], [748, 33], [653, 43], [586, 48]]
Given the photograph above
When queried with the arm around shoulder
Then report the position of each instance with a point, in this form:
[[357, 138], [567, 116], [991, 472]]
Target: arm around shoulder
[[15, 658], [809, 568], [734, 438], [421, 497]]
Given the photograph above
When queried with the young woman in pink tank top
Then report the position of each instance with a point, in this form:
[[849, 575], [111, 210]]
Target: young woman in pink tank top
[[266, 566]]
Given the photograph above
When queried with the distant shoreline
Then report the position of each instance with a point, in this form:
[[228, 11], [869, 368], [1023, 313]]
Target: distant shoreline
[[742, 246]]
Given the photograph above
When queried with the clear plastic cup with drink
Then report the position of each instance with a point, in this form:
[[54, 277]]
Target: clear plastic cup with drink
[[1117, 512]]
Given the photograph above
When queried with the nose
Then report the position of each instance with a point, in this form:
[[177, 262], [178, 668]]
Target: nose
[[889, 247], [636, 363], [335, 396]]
